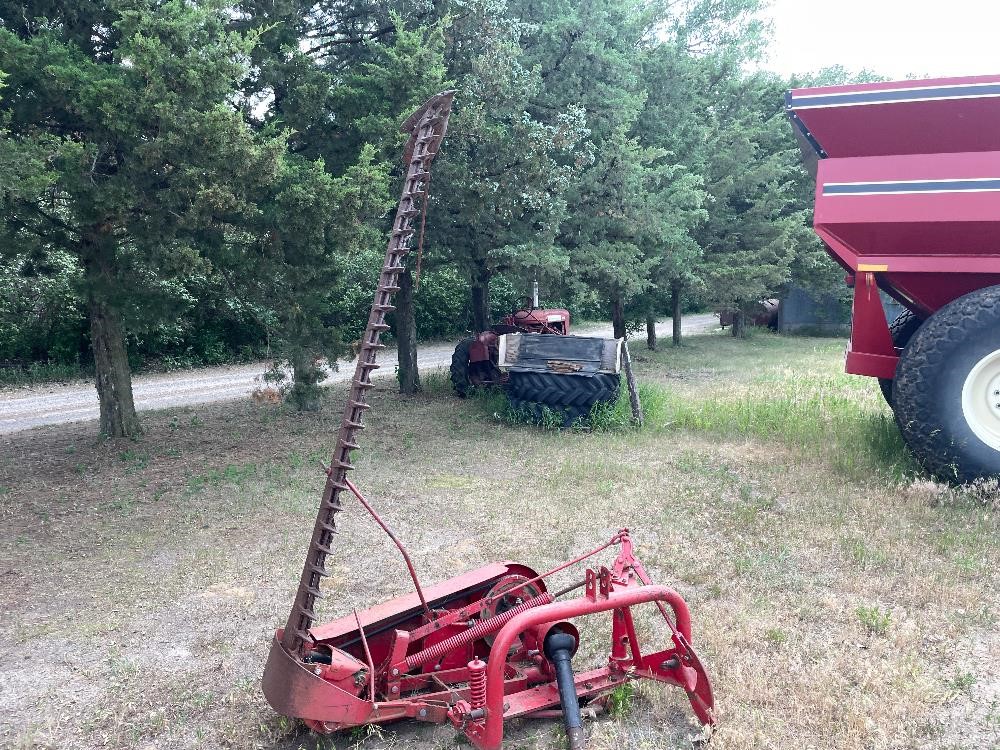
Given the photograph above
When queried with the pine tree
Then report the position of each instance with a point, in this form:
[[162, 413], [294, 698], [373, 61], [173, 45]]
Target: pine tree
[[498, 194], [757, 221], [146, 160]]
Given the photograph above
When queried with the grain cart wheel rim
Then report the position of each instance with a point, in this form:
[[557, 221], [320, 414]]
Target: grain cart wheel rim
[[942, 381], [981, 399]]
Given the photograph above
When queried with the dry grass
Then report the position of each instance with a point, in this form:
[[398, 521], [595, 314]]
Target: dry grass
[[839, 601]]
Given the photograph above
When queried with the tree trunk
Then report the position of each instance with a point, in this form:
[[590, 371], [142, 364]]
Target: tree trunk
[[651, 332], [306, 393], [113, 377], [112, 374], [675, 311], [739, 325], [480, 299], [406, 335], [618, 316]]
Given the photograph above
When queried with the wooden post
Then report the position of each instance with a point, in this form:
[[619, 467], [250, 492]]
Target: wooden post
[[633, 391]]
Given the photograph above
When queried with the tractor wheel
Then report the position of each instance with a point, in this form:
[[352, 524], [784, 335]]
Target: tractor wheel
[[947, 389], [460, 367], [557, 390], [902, 330]]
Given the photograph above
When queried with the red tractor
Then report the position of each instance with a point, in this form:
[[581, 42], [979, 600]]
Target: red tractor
[[475, 361], [546, 373]]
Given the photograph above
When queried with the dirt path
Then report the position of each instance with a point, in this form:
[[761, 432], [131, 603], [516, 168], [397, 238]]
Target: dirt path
[[25, 408]]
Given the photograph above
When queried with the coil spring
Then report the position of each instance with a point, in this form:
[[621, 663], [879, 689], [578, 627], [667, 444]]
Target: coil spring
[[477, 683], [480, 629]]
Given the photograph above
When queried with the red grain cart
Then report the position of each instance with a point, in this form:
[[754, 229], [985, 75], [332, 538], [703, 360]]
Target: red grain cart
[[908, 201]]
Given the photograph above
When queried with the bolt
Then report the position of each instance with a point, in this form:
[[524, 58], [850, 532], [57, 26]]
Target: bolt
[[422, 713], [437, 667], [317, 671], [395, 688], [395, 672]]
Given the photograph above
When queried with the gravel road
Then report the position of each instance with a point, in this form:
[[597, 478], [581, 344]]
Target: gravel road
[[24, 408]]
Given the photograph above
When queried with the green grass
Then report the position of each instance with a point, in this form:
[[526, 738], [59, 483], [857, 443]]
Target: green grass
[[37, 373], [766, 388], [874, 620], [621, 700]]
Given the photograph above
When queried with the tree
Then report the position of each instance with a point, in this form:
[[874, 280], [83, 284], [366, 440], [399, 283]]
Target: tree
[[757, 222], [699, 46], [308, 224], [146, 162], [586, 57], [342, 95], [499, 187]]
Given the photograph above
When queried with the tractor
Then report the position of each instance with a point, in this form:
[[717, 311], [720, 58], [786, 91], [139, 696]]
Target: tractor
[[542, 368], [475, 361]]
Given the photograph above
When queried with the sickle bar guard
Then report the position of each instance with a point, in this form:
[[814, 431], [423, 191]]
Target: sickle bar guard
[[488, 645]]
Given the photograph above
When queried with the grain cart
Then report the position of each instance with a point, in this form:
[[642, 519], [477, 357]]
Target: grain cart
[[487, 645], [908, 202]]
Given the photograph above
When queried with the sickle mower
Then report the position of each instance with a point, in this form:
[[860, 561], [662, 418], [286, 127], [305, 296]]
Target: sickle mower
[[486, 646]]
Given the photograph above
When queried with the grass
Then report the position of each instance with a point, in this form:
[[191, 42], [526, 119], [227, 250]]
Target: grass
[[874, 620], [37, 373], [839, 599], [769, 388]]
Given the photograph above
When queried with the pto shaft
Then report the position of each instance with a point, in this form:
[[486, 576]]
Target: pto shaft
[[559, 649]]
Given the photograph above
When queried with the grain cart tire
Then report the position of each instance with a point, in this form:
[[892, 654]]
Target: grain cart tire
[[560, 390], [460, 367], [947, 389], [902, 330]]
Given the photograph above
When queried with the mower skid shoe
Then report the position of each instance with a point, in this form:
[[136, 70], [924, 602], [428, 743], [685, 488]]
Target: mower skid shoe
[[294, 691]]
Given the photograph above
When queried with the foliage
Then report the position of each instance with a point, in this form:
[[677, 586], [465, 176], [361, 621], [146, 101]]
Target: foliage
[[129, 157], [193, 183]]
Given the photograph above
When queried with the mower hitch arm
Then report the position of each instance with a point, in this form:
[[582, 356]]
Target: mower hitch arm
[[490, 737]]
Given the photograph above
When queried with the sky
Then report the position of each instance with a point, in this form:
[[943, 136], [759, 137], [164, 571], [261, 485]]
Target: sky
[[894, 38]]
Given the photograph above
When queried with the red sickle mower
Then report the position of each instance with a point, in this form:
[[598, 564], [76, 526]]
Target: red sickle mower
[[488, 645]]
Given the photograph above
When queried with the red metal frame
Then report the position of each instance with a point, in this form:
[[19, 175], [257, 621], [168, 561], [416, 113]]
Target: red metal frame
[[907, 196], [536, 320], [473, 662]]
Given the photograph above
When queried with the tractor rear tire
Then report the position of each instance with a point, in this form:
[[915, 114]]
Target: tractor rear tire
[[947, 389], [564, 390], [460, 367], [902, 330], [567, 396]]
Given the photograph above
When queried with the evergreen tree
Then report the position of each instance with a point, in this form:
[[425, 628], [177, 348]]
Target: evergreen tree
[[757, 221], [498, 194], [146, 160]]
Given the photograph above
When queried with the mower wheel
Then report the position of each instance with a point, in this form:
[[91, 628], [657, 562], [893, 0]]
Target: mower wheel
[[460, 367], [902, 330], [947, 389]]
